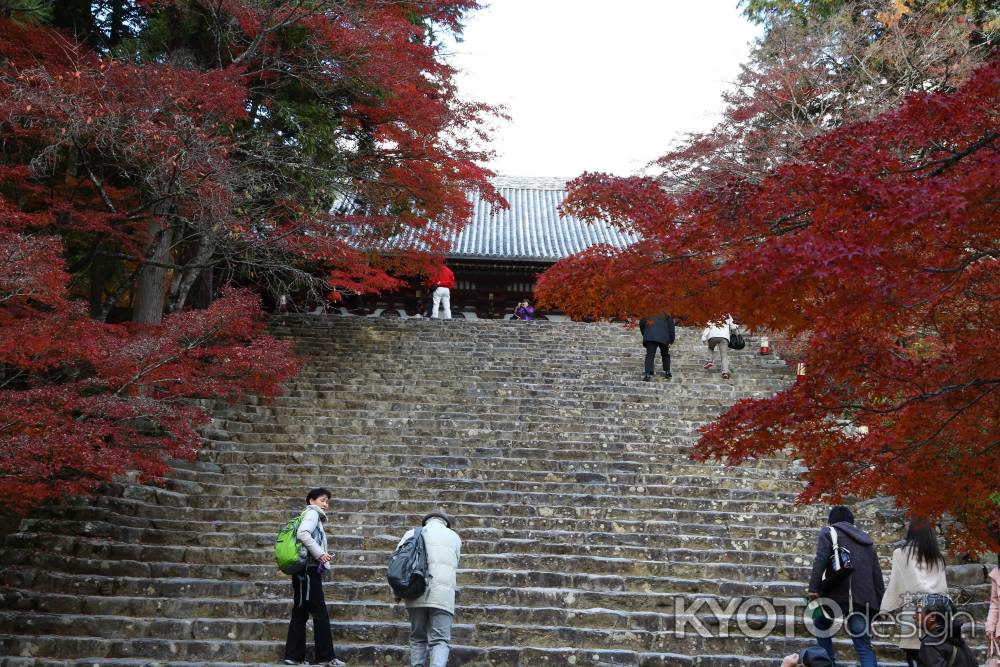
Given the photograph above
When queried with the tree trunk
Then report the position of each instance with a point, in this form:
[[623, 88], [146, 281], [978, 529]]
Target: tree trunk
[[76, 16], [101, 268], [195, 268], [150, 292], [203, 292], [117, 24]]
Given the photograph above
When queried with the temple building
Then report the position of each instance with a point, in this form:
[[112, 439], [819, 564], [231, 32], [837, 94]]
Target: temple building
[[498, 256]]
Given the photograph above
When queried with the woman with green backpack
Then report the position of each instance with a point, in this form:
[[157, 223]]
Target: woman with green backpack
[[301, 552]]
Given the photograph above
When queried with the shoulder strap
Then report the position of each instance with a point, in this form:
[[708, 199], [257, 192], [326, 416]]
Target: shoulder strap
[[833, 538], [954, 655]]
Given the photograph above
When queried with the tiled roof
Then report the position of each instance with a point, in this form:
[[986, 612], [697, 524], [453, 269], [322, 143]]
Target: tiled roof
[[531, 229]]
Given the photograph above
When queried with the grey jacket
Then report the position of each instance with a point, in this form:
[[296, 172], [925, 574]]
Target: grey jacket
[[866, 584], [311, 533]]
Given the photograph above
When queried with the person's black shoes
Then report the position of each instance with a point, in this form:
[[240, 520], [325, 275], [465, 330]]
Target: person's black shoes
[[647, 377], [668, 374]]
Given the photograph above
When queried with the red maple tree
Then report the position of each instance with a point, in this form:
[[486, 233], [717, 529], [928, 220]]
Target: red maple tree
[[270, 145], [83, 401], [880, 241]]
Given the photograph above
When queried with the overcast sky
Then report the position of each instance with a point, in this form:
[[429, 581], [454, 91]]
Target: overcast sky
[[597, 85]]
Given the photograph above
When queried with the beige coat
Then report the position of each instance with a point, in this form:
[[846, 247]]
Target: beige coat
[[907, 580], [444, 548]]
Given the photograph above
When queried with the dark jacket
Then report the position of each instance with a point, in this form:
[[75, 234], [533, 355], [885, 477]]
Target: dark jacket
[[657, 329], [866, 583], [938, 647]]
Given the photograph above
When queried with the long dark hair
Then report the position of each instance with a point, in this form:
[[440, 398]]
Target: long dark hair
[[922, 542]]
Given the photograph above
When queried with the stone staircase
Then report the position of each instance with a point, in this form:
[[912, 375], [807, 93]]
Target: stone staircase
[[590, 537]]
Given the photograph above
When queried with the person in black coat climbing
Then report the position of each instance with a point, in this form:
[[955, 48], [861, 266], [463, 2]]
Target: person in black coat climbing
[[657, 332], [942, 645], [857, 597]]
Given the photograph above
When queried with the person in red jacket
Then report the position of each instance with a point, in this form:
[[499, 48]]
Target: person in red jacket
[[441, 284]]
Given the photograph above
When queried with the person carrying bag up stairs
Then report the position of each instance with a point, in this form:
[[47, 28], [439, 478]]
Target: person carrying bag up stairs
[[855, 597], [432, 613]]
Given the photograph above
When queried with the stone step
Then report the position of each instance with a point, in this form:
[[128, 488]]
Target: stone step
[[664, 441], [325, 401], [475, 569], [651, 497], [573, 507], [375, 549], [386, 634], [457, 415], [623, 387], [253, 486], [230, 451], [676, 441], [569, 376], [784, 526], [354, 600], [623, 632], [703, 510], [713, 612], [361, 535], [500, 492], [451, 424], [512, 469], [469, 429], [639, 394], [466, 656], [607, 587]]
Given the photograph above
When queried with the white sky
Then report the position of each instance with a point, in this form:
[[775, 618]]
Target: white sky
[[599, 85]]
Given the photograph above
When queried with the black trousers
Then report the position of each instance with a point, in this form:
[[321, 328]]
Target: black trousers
[[651, 356], [308, 598]]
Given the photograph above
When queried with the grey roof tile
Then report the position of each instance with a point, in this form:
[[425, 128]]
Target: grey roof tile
[[531, 229]]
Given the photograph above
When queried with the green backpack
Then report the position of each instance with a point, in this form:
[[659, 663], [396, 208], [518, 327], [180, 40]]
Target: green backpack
[[289, 553]]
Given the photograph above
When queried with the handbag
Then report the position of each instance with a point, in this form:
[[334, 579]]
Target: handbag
[[736, 339], [993, 655], [839, 567]]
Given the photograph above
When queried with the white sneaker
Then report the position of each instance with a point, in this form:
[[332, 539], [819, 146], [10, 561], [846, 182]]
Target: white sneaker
[[336, 662]]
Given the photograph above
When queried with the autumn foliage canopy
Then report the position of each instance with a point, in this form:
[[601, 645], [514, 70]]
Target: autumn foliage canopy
[[166, 165], [878, 246]]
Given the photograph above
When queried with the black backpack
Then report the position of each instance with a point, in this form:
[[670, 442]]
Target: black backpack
[[736, 339], [408, 568]]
